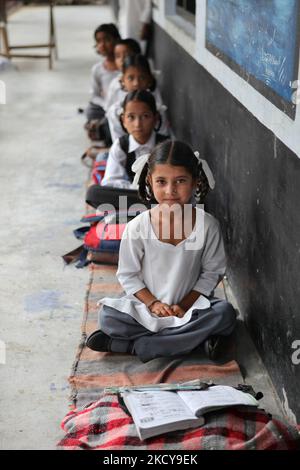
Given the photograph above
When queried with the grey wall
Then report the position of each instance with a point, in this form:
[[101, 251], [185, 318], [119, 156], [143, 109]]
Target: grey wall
[[256, 200]]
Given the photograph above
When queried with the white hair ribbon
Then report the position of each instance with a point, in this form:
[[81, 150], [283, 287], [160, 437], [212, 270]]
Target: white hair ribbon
[[161, 108], [140, 162], [137, 168], [119, 110], [207, 170]]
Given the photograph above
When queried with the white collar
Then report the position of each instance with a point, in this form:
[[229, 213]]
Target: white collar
[[134, 145]]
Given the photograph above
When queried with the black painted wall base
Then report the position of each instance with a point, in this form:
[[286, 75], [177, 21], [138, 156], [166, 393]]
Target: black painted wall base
[[256, 199]]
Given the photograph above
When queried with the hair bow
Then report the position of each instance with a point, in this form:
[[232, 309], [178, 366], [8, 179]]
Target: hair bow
[[119, 110], [137, 168], [140, 162], [207, 170], [161, 108]]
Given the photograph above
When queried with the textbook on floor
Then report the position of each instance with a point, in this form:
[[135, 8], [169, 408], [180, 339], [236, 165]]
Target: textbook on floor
[[156, 412]]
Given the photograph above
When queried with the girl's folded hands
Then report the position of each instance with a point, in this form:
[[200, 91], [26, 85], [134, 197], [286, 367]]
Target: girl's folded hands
[[164, 310]]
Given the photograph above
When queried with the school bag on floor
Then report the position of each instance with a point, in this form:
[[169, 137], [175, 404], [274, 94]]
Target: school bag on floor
[[101, 238], [98, 172], [98, 164], [101, 241], [98, 130]]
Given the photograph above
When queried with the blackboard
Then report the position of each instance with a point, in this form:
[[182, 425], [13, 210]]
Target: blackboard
[[258, 39]]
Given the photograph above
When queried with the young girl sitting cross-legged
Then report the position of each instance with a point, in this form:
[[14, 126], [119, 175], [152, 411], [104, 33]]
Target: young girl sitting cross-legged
[[106, 36], [141, 122], [171, 259]]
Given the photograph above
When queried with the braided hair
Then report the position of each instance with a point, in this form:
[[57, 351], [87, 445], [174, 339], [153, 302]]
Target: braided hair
[[175, 153]]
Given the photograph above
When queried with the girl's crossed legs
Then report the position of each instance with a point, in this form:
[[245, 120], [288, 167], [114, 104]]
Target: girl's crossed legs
[[219, 319]]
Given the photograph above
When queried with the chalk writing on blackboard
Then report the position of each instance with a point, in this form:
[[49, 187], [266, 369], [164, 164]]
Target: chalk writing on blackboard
[[260, 41]]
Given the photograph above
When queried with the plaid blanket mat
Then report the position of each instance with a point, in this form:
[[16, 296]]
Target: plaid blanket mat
[[104, 425], [97, 421], [93, 371]]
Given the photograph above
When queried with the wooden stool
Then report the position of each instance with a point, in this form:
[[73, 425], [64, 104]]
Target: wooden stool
[[4, 41], [7, 48]]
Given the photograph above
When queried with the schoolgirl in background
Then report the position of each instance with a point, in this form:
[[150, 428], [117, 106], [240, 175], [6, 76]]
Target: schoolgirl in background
[[136, 75], [103, 72], [123, 49], [141, 122]]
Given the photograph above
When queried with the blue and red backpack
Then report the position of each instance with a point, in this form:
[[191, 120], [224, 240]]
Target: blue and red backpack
[[101, 238]]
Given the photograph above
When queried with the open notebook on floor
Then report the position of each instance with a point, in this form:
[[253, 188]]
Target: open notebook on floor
[[156, 412]]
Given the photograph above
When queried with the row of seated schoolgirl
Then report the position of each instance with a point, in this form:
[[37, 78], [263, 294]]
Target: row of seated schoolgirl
[[172, 254]]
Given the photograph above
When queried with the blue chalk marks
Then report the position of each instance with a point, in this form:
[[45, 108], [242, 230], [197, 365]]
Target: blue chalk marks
[[259, 40], [45, 300]]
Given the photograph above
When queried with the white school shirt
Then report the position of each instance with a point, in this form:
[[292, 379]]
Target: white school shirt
[[132, 15], [101, 79], [114, 92], [115, 171], [169, 272], [113, 115]]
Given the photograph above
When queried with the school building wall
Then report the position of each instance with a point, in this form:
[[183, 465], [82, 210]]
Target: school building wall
[[253, 149]]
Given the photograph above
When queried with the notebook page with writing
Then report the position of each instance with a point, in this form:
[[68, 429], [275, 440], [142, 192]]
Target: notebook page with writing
[[157, 412], [219, 396], [156, 408]]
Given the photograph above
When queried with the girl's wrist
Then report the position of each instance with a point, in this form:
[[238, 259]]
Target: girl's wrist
[[151, 303]]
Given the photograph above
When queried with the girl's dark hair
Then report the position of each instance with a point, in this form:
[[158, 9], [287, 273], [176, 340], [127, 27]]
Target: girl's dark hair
[[145, 97], [132, 44], [177, 153], [109, 29], [141, 62]]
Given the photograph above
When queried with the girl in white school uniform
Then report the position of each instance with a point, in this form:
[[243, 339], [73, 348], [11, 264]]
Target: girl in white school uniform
[[123, 48], [136, 75], [171, 259], [106, 36], [141, 122]]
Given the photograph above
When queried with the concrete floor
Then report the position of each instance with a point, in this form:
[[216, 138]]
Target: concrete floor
[[42, 201]]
